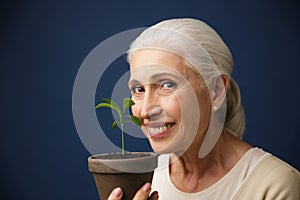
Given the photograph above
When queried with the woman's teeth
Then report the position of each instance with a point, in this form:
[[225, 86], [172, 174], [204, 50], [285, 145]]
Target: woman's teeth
[[157, 130]]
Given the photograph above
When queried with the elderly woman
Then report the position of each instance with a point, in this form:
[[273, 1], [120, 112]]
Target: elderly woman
[[191, 112]]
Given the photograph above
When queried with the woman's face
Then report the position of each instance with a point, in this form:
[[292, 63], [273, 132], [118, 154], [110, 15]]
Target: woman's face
[[169, 100]]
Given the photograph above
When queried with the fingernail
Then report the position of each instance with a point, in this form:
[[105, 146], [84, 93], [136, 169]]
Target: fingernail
[[117, 192], [147, 187], [155, 194]]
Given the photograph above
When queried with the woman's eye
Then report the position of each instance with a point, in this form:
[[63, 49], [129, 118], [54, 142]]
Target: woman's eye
[[168, 85], [137, 89]]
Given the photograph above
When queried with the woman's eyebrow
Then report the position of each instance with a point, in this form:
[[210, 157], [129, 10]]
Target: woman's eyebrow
[[156, 77], [163, 74], [133, 81]]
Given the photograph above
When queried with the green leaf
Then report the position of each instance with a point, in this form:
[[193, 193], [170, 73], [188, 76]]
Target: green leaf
[[114, 124], [100, 105], [126, 121], [113, 104], [135, 120], [127, 102]]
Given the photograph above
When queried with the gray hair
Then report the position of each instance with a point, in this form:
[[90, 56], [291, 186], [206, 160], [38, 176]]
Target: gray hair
[[204, 49]]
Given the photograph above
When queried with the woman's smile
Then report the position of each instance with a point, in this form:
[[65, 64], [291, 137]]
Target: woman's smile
[[159, 130]]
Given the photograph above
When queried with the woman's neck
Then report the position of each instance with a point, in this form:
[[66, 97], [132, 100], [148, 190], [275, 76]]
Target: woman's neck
[[190, 173]]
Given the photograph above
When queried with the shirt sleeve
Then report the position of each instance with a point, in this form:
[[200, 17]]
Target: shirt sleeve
[[272, 179]]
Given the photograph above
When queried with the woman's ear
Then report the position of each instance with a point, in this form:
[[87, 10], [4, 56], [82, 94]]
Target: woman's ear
[[218, 91]]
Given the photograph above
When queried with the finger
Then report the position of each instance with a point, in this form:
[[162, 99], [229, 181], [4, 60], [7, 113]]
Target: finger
[[143, 193], [154, 196], [116, 194]]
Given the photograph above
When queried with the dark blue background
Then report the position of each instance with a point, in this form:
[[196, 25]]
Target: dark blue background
[[43, 44]]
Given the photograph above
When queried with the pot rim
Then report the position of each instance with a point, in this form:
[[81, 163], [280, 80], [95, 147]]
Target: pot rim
[[123, 165]]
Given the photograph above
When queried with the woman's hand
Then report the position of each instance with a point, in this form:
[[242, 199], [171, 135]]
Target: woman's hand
[[142, 194]]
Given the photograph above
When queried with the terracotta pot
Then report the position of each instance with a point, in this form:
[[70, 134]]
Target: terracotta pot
[[129, 171]]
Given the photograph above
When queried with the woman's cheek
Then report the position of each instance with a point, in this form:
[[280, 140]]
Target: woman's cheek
[[171, 104], [135, 109]]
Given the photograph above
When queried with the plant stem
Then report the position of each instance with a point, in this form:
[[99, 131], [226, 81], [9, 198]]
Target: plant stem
[[122, 129]]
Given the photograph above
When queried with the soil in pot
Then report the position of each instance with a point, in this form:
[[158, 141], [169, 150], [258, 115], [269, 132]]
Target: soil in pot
[[129, 171]]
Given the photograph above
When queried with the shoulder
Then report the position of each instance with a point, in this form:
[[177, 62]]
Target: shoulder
[[272, 178], [274, 169]]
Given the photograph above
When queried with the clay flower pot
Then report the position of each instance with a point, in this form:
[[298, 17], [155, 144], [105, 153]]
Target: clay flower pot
[[129, 171]]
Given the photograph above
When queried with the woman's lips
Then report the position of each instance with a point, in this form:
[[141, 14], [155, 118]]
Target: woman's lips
[[159, 130]]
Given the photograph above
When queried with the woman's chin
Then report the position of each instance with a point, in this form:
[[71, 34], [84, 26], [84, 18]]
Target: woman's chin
[[165, 148], [160, 148]]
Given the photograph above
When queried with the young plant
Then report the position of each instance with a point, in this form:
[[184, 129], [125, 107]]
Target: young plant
[[127, 103]]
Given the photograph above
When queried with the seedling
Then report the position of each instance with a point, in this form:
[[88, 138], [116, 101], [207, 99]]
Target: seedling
[[123, 119]]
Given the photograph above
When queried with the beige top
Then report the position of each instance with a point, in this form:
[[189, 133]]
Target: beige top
[[258, 175]]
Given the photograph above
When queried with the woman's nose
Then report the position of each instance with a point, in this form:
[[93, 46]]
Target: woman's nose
[[150, 109]]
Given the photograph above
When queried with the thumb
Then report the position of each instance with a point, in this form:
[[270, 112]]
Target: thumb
[[143, 193], [116, 194]]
